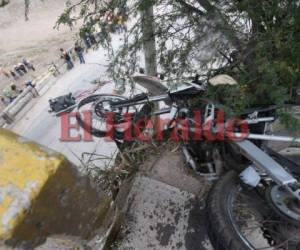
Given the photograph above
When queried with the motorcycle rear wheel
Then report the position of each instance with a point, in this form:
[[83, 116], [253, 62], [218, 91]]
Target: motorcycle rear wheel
[[240, 218]]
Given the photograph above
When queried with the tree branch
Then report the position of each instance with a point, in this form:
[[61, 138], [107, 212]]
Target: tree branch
[[190, 7]]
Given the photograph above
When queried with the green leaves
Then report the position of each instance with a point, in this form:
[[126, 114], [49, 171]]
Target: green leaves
[[3, 3], [265, 34], [289, 121], [65, 18]]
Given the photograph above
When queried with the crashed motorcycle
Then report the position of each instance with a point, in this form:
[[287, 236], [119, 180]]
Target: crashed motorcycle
[[255, 199]]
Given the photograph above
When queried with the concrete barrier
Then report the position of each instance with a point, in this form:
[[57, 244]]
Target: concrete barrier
[[18, 104], [8, 114], [42, 194], [2, 121]]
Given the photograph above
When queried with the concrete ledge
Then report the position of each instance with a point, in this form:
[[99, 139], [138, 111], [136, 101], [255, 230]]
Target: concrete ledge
[[160, 216], [10, 112], [41, 193], [162, 207]]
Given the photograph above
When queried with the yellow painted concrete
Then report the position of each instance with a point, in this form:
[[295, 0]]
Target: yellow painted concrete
[[41, 193]]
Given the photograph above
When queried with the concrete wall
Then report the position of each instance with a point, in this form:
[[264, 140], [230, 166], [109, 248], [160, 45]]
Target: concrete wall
[[41, 194]]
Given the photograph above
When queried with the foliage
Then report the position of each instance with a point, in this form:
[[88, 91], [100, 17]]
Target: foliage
[[173, 25], [272, 62], [199, 35], [3, 3]]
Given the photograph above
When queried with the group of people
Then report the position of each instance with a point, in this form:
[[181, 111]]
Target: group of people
[[11, 92], [65, 55], [67, 58], [117, 21], [89, 39], [18, 70]]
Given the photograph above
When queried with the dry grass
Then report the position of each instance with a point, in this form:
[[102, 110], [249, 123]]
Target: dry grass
[[118, 168]]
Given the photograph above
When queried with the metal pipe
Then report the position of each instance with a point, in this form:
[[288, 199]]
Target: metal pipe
[[189, 158], [267, 164], [268, 137], [162, 111], [147, 100]]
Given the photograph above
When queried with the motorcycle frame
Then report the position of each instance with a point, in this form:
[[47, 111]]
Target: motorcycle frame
[[261, 160]]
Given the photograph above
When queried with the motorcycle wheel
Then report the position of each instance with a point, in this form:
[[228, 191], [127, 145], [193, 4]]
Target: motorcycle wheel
[[242, 218], [95, 105], [98, 127]]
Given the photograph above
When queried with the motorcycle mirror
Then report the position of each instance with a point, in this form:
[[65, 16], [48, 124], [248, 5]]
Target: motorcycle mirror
[[222, 80]]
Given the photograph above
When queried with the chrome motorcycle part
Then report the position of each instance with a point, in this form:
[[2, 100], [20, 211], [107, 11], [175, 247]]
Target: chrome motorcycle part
[[285, 203], [266, 164], [250, 177]]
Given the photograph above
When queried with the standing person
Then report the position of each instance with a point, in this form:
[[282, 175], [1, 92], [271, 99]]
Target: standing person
[[119, 22], [110, 17], [22, 67], [4, 102], [11, 92], [121, 26], [18, 70], [34, 91], [92, 38], [28, 64], [4, 72], [13, 74], [79, 51], [65, 55], [84, 36], [87, 41], [53, 69]]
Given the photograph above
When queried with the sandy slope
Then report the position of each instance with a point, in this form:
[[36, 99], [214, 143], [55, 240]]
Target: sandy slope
[[34, 39]]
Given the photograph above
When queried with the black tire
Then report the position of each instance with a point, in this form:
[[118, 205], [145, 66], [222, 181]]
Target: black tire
[[224, 235], [221, 232], [145, 112], [95, 132], [233, 158]]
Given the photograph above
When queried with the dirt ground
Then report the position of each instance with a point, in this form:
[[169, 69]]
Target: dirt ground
[[35, 39]]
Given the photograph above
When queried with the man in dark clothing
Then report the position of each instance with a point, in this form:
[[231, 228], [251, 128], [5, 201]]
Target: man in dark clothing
[[79, 51], [92, 38], [34, 91], [18, 70], [28, 64], [13, 74], [65, 55], [22, 67]]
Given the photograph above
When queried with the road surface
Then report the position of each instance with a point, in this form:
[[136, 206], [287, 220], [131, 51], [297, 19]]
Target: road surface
[[38, 125]]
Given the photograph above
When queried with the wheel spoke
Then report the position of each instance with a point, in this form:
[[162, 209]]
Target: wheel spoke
[[257, 222]]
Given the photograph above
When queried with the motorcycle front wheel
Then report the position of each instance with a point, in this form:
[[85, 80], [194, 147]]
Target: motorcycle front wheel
[[243, 218]]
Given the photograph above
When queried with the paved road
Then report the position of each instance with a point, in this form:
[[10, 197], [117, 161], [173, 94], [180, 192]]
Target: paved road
[[38, 125]]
